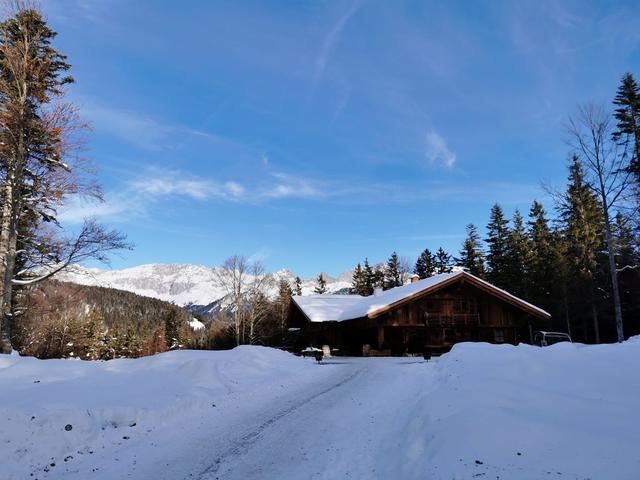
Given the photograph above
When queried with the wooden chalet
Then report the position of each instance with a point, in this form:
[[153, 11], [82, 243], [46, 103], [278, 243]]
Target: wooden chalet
[[430, 314]]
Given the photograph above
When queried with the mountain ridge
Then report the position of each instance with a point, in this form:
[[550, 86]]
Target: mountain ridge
[[189, 285]]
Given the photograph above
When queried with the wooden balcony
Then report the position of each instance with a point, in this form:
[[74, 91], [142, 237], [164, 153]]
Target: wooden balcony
[[454, 320]]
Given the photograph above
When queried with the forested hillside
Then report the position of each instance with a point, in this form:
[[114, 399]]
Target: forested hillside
[[61, 319]]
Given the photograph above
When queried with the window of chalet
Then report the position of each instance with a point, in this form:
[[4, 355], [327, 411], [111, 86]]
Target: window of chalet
[[498, 336]]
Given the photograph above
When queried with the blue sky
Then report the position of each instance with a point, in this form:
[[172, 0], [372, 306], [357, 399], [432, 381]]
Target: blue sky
[[311, 134]]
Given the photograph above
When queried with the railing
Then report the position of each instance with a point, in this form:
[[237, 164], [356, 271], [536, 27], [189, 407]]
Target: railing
[[454, 320]]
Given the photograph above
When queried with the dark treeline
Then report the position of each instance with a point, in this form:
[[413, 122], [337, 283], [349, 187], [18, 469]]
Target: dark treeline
[[581, 260]]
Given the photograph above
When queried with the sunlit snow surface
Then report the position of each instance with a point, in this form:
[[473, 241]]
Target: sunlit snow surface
[[482, 411], [196, 324]]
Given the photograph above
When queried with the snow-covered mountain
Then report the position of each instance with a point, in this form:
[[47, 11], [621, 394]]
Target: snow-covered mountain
[[182, 284]]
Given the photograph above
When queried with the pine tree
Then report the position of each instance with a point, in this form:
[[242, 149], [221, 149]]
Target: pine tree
[[471, 254], [94, 337], [321, 286], [132, 345], [582, 217], [442, 262], [32, 74], [378, 277], [357, 281], [498, 246], [518, 258], [369, 279], [628, 265], [37, 165], [284, 290], [425, 265], [172, 329], [297, 286], [392, 277], [626, 251], [283, 303], [627, 113], [544, 263], [583, 223], [114, 342]]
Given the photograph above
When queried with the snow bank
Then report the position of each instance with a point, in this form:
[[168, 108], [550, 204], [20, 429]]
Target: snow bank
[[104, 402], [566, 411]]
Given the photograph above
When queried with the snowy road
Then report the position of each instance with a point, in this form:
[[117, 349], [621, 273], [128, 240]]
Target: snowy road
[[339, 431], [338, 426]]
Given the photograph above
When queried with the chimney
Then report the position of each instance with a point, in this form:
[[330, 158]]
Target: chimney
[[414, 278]]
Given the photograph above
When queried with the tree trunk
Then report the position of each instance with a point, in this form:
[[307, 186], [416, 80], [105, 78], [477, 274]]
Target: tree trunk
[[566, 309], [596, 326], [614, 277], [614, 286], [7, 260]]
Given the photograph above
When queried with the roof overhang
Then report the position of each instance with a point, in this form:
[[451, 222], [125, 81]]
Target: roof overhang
[[473, 280]]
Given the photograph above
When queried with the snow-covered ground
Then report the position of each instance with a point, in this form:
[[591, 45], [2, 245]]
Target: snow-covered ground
[[481, 411]]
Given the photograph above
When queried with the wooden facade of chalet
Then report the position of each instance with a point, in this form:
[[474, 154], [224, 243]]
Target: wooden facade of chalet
[[460, 308]]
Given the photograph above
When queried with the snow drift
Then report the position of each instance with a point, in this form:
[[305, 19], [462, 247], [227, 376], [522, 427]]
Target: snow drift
[[53, 411], [568, 411]]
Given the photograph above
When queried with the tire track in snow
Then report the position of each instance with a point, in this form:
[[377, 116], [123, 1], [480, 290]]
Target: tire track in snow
[[244, 443]]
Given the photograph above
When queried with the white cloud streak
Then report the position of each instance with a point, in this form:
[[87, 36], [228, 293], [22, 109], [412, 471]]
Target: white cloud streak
[[437, 152], [138, 198], [137, 129], [291, 186], [330, 41]]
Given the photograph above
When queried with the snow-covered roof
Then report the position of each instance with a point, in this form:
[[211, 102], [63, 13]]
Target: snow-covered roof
[[325, 308]]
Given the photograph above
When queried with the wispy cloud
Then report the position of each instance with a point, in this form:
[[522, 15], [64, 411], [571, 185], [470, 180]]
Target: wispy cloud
[[138, 197], [437, 151], [94, 11], [261, 255], [136, 128], [195, 189], [287, 185], [330, 41], [115, 206]]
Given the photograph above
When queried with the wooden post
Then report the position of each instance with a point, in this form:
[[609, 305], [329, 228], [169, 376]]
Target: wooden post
[[380, 337]]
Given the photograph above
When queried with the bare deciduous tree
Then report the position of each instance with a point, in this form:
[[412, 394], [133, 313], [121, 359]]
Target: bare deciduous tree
[[605, 162], [231, 278], [257, 302], [246, 285], [404, 269]]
